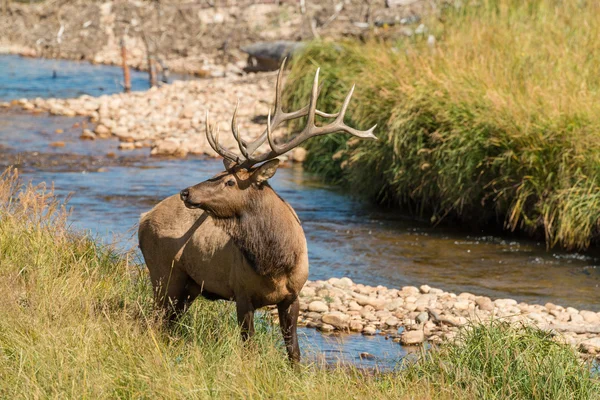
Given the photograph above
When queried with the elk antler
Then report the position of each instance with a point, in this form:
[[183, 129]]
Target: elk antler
[[247, 158]]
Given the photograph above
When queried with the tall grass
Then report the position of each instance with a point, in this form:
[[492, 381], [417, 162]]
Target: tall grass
[[497, 123], [78, 322]]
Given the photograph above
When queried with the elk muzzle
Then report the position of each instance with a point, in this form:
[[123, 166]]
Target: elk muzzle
[[184, 195]]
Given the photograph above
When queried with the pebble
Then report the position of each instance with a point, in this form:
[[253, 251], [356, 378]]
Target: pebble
[[422, 317], [366, 356], [88, 135], [387, 310], [409, 338], [590, 346], [369, 331], [325, 328], [318, 306], [337, 319], [171, 119]]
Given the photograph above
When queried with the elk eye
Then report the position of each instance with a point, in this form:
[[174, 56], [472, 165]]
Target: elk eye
[[230, 182]]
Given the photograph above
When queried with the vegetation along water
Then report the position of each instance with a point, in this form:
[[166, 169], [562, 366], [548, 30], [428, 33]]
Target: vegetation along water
[[494, 123], [78, 321]]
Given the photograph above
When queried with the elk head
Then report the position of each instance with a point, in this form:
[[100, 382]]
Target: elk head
[[228, 193]]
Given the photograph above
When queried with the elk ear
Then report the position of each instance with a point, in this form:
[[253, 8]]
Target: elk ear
[[229, 164], [265, 171]]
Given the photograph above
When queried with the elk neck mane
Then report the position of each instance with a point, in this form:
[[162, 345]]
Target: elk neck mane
[[267, 233]]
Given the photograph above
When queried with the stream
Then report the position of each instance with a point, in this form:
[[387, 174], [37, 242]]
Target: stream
[[108, 189]]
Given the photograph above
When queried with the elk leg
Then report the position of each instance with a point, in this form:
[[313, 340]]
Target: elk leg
[[288, 320], [171, 294], [245, 317]]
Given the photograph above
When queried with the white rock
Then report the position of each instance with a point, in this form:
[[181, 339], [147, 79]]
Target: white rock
[[502, 303], [337, 319], [409, 338], [318, 306]]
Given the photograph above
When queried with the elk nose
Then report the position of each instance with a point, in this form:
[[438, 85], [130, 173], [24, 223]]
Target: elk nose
[[184, 194]]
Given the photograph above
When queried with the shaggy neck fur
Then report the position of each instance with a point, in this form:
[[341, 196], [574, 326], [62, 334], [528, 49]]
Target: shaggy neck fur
[[267, 233]]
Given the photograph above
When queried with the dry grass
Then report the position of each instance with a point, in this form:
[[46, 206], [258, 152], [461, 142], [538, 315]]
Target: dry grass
[[78, 322], [496, 124]]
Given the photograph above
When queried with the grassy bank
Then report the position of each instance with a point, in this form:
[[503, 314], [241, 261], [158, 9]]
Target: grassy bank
[[497, 123], [77, 322]]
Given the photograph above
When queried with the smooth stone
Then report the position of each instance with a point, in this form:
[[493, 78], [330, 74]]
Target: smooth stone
[[394, 304], [590, 317], [314, 316], [576, 318], [500, 303], [369, 330], [337, 319], [318, 306], [590, 346], [422, 317], [325, 328], [102, 131], [126, 146], [87, 135], [424, 289], [392, 321], [484, 303], [462, 304], [298, 154], [366, 356], [307, 291], [408, 338], [356, 326]]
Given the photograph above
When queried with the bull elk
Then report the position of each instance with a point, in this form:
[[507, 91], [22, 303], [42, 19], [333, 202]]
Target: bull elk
[[232, 237]]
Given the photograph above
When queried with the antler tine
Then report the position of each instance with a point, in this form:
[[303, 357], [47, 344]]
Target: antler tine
[[311, 130], [236, 133], [279, 116], [213, 141]]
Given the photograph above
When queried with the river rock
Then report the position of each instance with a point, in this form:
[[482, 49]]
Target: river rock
[[87, 135], [576, 318], [298, 155], [590, 317], [318, 306], [366, 356], [356, 326], [325, 328], [590, 346], [424, 289], [394, 304], [102, 131], [422, 317], [369, 330], [461, 304], [126, 146], [409, 338], [503, 303], [484, 303], [371, 301], [392, 321], [337, 319]]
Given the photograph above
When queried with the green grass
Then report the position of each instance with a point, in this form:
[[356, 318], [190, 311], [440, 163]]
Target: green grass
[[78, 322], [498, 123]]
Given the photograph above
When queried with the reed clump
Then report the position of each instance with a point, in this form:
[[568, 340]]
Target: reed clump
[[497, 123], [78, 322]]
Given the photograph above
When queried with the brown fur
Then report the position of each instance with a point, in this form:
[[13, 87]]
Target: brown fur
[[240, 242]]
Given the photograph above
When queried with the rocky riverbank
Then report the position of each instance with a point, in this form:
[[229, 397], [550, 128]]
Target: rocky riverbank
[[202, 38], [412, 315], [170, 120]]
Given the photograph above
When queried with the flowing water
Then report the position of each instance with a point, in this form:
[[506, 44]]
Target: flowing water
[[346, 237]]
